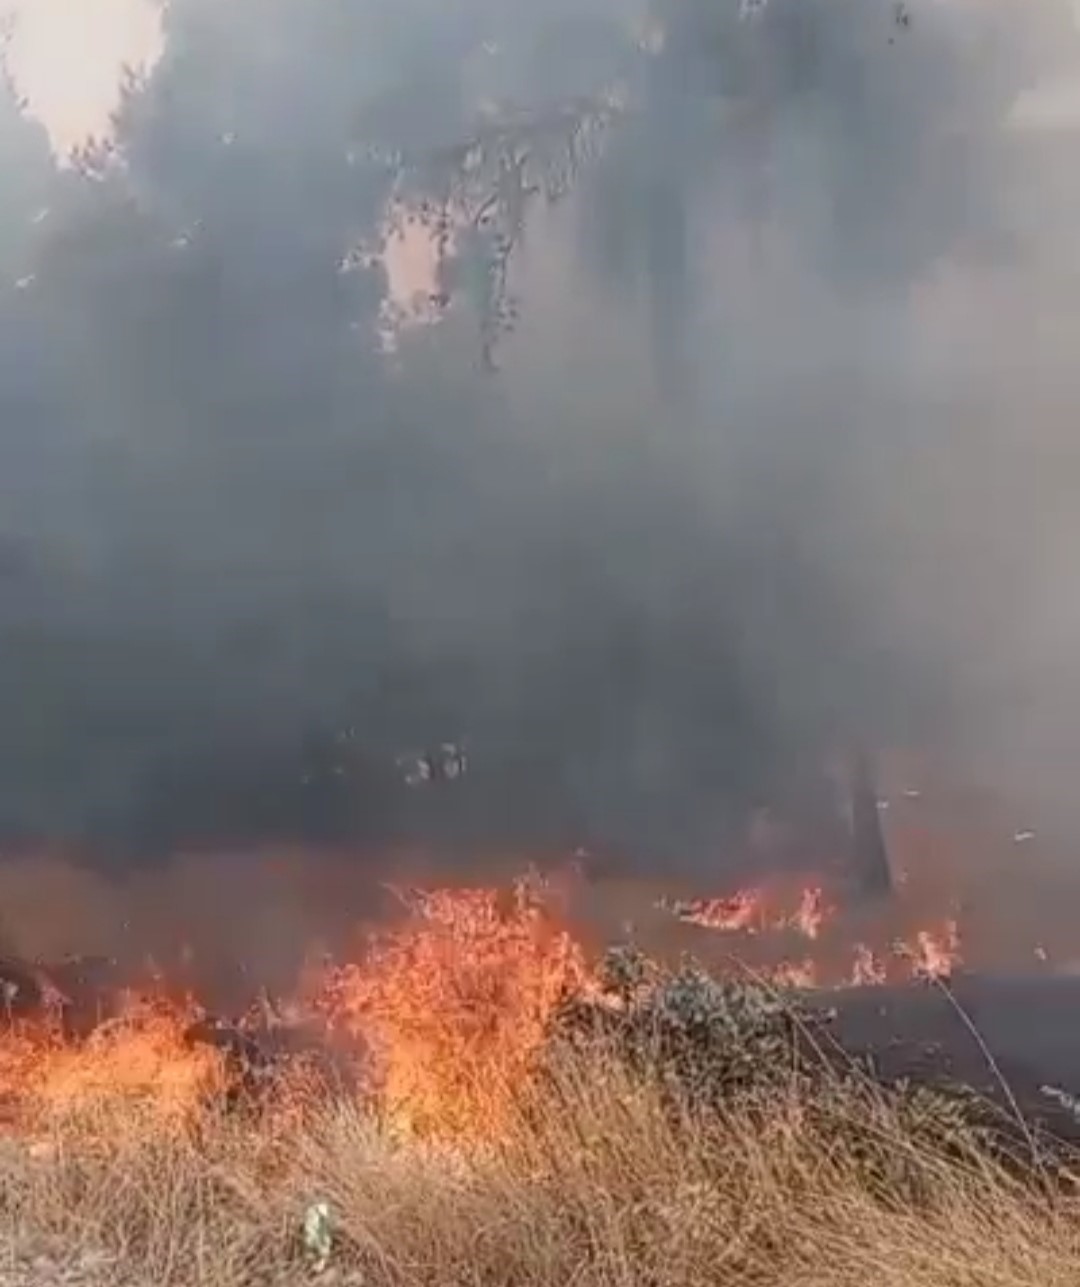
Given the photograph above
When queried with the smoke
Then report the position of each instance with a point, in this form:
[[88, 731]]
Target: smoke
[[777, 457]]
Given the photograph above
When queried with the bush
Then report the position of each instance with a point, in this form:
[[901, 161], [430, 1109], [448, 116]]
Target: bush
[[740, 1046], [708, 1039]]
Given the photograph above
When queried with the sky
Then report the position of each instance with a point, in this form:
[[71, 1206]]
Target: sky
[[67, 58]]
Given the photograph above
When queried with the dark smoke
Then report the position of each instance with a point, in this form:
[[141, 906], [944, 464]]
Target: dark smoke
[[762, 470]]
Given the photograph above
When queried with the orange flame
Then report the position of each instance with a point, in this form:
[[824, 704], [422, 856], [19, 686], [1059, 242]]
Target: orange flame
[[760, 910], [811, 912], [935, 956], [455, 1004], [764, 911], [137, 1062], [445, 1013]]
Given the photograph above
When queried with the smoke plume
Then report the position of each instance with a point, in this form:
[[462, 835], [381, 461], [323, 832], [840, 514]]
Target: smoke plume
[[776, 455]]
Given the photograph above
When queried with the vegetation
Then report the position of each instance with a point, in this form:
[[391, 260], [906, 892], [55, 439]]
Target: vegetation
[[596, 1181], [229, 558]]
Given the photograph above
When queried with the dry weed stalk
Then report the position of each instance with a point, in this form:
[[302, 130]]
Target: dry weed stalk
[[597, 1182]]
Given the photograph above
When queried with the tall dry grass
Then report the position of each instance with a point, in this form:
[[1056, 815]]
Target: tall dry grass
[[600, 1184]]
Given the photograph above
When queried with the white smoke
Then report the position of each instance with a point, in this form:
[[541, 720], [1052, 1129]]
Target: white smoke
[[68, 60]]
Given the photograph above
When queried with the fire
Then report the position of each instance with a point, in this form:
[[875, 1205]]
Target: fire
[[440, 1019], [868, 969], [841, 958], [136, 1063], [936, 955], [802, 974], [455, 1004], [811, 913], [741, 912], [759, 910]]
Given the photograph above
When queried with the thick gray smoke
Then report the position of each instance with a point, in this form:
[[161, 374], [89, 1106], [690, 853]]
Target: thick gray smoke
[[778, 455]]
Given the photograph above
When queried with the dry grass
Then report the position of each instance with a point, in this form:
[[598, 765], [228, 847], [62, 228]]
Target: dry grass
[[598, 1184]]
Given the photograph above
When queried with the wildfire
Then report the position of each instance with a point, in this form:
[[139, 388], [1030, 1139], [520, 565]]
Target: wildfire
[[936, 955], [758, 911], [440, 1018], [138, 1062], [930, 952], [455, 1004], [801, 974], [868, 969]]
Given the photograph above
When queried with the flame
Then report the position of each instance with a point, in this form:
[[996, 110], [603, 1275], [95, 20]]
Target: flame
[[137, 1063], [443, 1014], [843, 959], [802, 974], [936, 955], [742, 911], [759, 910], [443, 1017], [454, 1005], [811, 913], [868, 969]]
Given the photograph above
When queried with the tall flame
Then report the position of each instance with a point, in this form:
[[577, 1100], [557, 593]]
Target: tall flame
[[455, 1004]]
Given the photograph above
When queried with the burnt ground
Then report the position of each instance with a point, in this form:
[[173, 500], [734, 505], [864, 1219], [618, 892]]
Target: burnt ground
[[981, 1032]]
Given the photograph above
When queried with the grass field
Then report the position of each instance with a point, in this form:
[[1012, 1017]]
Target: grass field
[[537, 1118], [596, 1181]]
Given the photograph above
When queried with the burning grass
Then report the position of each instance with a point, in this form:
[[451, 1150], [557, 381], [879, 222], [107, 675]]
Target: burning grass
[[456, 1004], [512, 1115], [803, 939]]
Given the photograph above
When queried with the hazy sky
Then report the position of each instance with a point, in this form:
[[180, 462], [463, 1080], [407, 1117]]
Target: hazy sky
[[68, 56]]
